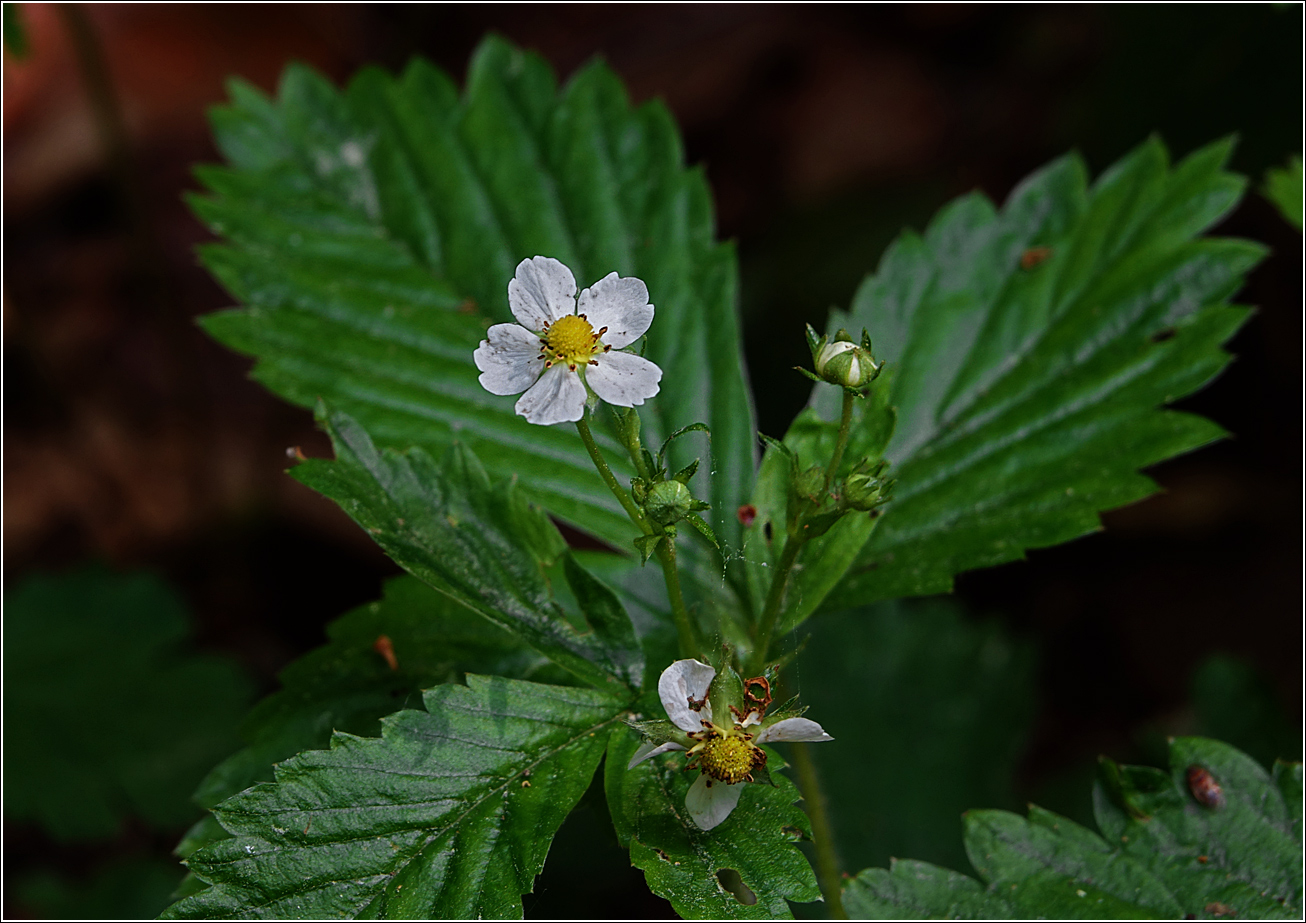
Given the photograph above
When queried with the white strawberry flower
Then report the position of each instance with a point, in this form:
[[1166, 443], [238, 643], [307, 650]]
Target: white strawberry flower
[[722, 741], [560, 348]]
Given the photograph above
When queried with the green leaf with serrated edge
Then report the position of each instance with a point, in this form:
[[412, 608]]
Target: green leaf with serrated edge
[[449, 814], [911, 890], [482, 544], [681, 862], [1164, 852], [1288, 776], [1283, 187], [1027, 395], [1243, 854], [348, 684], [1051, 859], [371, 236], [161, 713], [606, 616]]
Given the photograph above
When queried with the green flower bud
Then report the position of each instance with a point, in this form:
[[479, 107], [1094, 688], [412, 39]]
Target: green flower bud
[[866, 488], [843, 362], [669, 501], [811, 483]]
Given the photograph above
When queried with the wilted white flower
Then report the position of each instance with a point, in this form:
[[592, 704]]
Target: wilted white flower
[[722, 738], [561, 347]]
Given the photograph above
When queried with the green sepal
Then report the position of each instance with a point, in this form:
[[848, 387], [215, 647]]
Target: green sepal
[[812, 375], [727, 690], [815, 342], [701, 525], [647, 545], [666, 444], [686, 473], [762, 776], [660, 731]]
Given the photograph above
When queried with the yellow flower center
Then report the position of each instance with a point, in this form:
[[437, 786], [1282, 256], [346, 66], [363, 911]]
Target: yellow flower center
[[730, 759], [572, 340]]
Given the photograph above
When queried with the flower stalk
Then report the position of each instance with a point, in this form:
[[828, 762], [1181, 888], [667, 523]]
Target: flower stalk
[[666, 553], [828, 874]]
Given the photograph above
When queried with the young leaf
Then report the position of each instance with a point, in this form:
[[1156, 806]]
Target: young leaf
[[449, 814], [371, 235], [1031, 350], [1172, 846], [481, 544], [682, 863], [160, 714]]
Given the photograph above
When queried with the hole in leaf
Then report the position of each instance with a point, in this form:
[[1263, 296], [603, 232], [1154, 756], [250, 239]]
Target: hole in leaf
[[729, 880], [1163, 334], [767, 530]]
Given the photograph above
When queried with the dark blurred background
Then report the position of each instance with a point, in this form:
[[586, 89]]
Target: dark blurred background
[[132, 439]]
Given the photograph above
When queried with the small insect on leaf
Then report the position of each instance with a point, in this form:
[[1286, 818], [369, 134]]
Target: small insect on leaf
[[385, 647], [747, 513], [1033, 256], [1206, 791]]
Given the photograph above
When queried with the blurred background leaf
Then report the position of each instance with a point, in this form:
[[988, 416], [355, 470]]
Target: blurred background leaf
[[108, 711], [930, 709], [1236, 703], [1283, 187], [130, 889]]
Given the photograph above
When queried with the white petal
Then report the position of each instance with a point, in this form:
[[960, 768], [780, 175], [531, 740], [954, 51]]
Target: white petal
[[683, 680], [650, 750], [619, 304], [543, 290], [794, 729], [710, 802], [623, 379], [558, 397], [508, 359]]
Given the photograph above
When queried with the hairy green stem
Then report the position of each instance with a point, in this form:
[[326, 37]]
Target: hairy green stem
[[845, 423], [666, 549], [818, 812], [774, 598], [684, 628], [622, 495]]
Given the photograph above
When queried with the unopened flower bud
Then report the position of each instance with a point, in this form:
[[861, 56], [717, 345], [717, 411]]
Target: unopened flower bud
[[669, 502], [867, 487], [843, 362], [811, 483]]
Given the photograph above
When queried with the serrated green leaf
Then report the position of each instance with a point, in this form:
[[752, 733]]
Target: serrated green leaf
[[1165, 852], [449, 814], [1243, 854], [482, 544], [1283, 187], [1027, 381], [682, 862], [1060, 869], [161, 714], [371, 235], [911, 890], [348, 684]]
